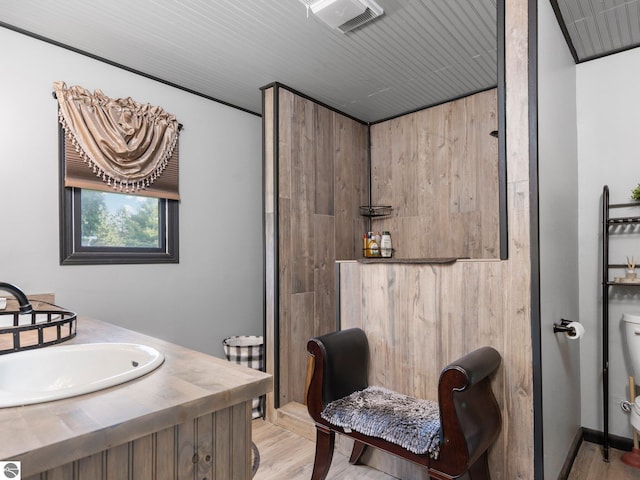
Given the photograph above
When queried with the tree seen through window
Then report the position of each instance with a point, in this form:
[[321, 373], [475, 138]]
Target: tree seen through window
[[119, 220]]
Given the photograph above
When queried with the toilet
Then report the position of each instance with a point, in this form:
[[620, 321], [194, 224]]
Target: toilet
[[632, 335]]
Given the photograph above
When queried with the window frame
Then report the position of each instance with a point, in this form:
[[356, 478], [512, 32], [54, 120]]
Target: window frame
[[73, 253]]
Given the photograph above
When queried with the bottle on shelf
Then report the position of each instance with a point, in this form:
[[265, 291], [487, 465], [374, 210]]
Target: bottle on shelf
[[378, 237], [386, 248], [373, 247]]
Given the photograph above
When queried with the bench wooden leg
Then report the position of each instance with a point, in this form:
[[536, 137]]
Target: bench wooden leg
[[356, 453], [325, 440], [480, 469]]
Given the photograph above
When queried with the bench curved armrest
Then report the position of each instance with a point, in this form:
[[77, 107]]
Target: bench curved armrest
[[476, 365], [469, 413]]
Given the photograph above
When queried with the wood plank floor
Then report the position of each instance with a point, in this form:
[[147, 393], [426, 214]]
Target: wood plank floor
[[284, 454], [589, 465]]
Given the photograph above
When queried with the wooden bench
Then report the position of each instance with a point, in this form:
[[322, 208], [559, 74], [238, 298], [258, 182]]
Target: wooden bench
[[470, 419]]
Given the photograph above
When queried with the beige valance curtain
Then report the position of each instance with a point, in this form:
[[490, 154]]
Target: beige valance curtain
[[118, 144]]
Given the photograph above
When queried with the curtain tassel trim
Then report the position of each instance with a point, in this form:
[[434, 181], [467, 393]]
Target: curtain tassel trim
[[125, 144]]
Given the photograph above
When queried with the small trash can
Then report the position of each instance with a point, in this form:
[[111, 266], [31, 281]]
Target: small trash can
[[247, 350]]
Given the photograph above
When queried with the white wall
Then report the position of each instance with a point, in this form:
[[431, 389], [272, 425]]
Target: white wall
[[217, 288], [608, 101], [558, 207]]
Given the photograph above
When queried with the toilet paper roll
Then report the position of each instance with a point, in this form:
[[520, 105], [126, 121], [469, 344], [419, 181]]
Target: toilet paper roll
[[579, 328]]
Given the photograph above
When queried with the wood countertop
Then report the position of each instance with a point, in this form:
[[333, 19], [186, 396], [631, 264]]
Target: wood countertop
[[187, 385]]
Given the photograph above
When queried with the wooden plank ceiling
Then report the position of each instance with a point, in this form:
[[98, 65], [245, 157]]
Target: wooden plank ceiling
[[419, 53], [595, 28]]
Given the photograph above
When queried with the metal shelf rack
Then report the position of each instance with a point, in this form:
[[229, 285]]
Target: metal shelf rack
[[609, 225]]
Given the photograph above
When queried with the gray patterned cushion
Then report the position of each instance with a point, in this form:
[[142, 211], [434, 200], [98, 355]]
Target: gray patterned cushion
[[412, 423]]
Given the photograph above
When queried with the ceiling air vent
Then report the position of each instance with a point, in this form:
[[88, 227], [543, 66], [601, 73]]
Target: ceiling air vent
[[345, 15]]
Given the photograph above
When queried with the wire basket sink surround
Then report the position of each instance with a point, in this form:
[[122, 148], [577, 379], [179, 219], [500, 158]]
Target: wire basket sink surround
[[23, 327], [46, 325]]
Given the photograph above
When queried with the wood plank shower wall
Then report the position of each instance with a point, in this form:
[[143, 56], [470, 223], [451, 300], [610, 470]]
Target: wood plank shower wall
[[496, 305], [322, 179], [438, 169]]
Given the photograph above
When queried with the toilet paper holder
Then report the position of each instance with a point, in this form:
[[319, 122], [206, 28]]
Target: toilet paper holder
[[564, 327]]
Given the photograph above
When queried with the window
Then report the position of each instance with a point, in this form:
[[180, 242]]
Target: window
[[118, 179], [109, 228]]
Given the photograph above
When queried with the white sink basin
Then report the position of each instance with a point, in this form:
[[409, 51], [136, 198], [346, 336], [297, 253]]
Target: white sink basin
[[52, 373]]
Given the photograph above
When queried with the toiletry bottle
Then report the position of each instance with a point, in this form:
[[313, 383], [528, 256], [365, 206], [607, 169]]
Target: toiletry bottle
[[385, 245], [369, 253], [365, 245], [374, 247]]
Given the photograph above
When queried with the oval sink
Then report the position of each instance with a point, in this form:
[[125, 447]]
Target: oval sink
[[52, 373]]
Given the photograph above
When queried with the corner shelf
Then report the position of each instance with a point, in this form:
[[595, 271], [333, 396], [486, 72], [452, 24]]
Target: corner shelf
[[373, 211]]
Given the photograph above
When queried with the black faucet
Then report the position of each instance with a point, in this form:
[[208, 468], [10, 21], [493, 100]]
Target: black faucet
[[25, 306]]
